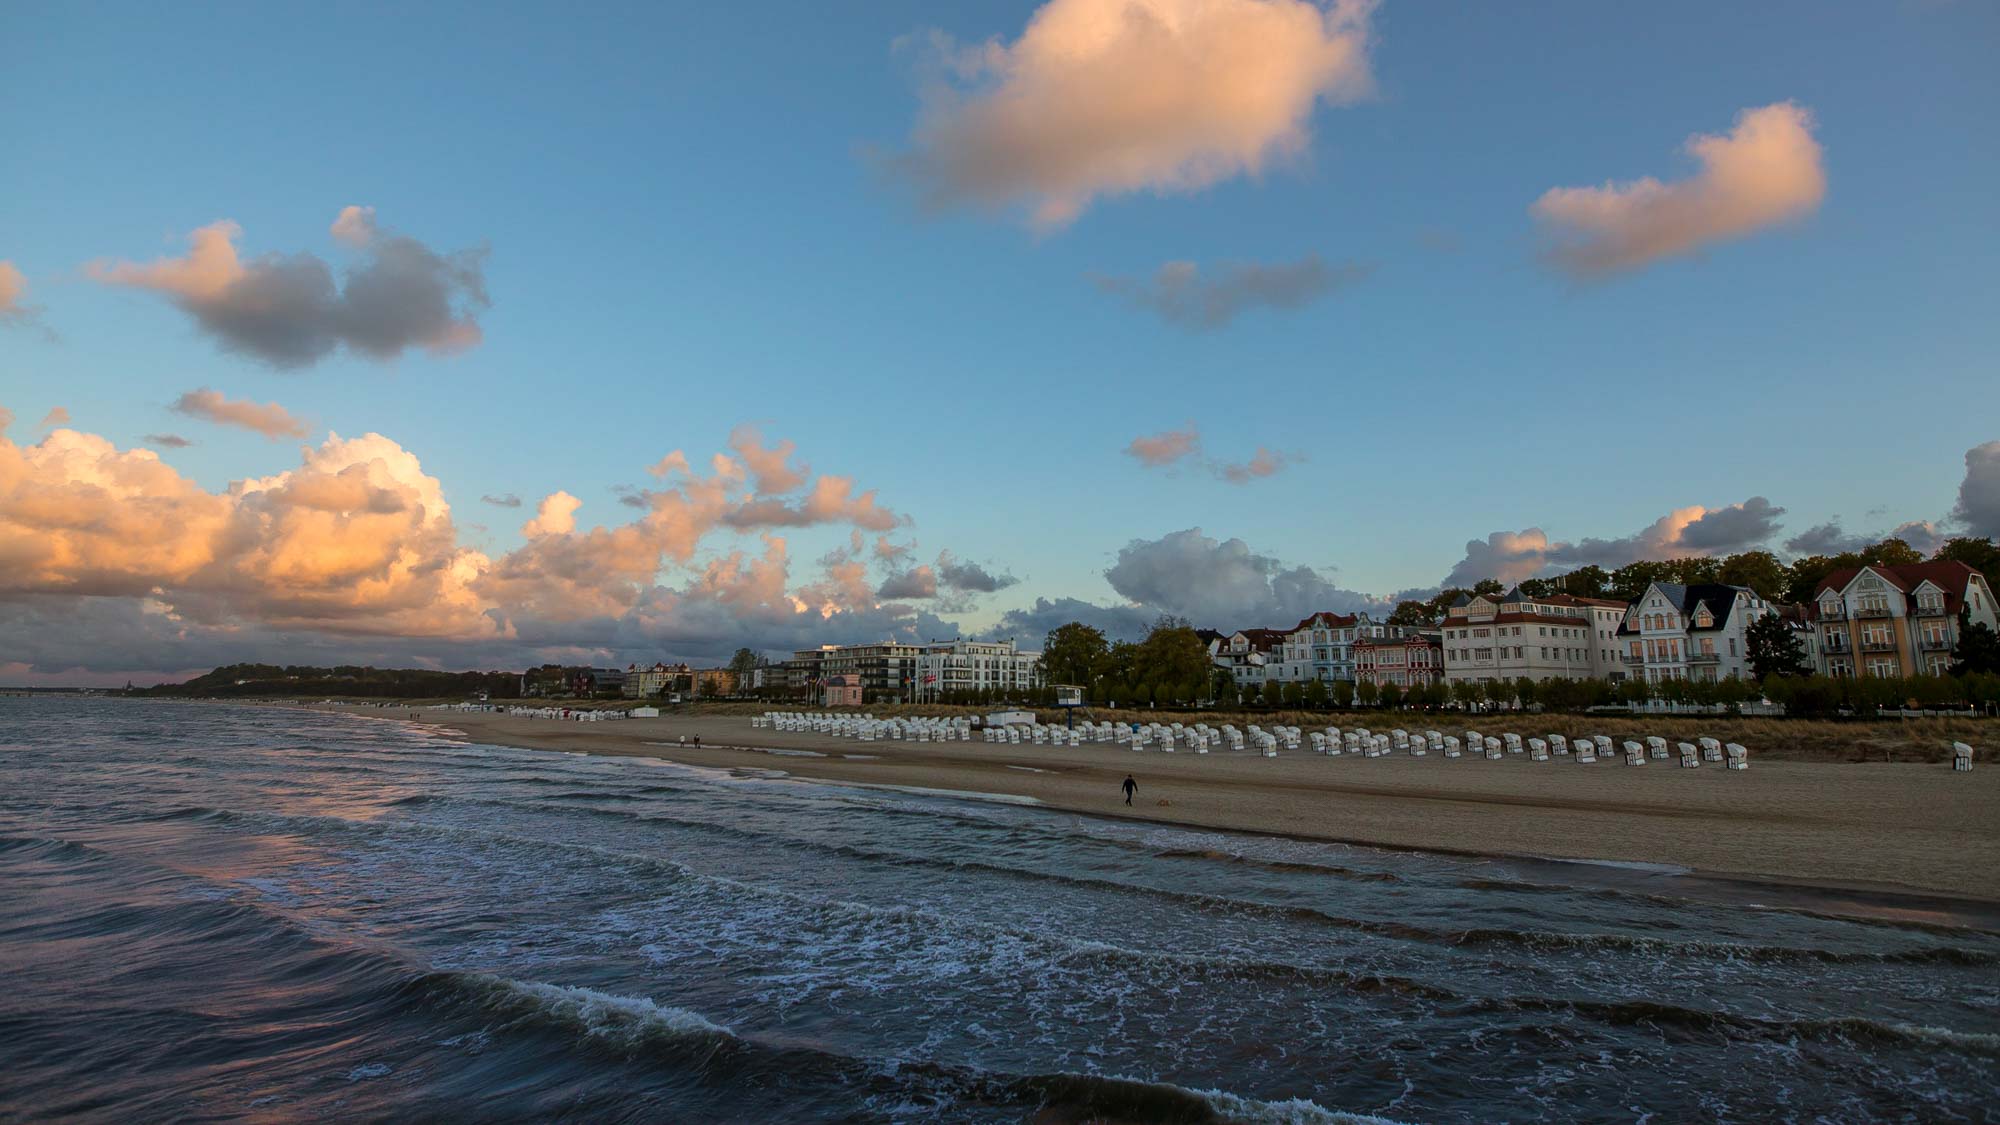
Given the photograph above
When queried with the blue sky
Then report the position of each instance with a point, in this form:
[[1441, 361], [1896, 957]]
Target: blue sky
[[694, 222]]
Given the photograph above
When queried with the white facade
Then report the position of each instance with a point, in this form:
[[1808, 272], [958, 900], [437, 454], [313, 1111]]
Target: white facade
[[962, 666], [1697, 632], [1513, 636]]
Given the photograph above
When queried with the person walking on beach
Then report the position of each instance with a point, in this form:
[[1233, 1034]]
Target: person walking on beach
[[1131, 787]]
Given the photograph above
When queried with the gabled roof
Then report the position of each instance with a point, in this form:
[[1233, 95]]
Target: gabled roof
[[1329, 620], [1688, 600], [1950, 576], [1463, 599]]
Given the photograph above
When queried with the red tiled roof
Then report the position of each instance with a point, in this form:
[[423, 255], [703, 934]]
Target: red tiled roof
[[1333, 621], [1949, 575]]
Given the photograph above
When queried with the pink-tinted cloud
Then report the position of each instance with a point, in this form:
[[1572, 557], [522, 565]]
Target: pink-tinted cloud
[[269, 419], [14, 308], [1107, 97], [1165, 448], [556, 515], [353, 554], [1265, 462], [1766, 171], [770, 468], [57, 416], [287, 310], [1511, 556], [1180, 295]]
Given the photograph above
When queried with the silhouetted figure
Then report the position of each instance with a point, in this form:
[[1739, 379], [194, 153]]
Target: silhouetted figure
[[1131, 787]]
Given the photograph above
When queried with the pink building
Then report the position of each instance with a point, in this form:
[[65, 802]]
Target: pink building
[[841, 691], [1403, 661]]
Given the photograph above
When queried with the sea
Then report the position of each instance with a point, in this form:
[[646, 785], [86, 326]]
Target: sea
[[232, 913]]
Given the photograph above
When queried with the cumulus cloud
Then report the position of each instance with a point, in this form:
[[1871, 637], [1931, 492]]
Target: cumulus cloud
[[1033, 622], [57, 416], [1107, 97], [1511, 556], [1180, 295], [168, 441], [353, 555], [556, 515], [770, 468], [916, 582], [287, 309], [1166, 447], [269, 419], [356, 539], [1223, 583], [970, 577], [504, 500], [1766, 171], [1978, 505]]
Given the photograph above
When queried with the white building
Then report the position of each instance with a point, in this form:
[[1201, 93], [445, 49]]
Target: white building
[[1513, 636], [1676, 632], [962, 666], [1321, 647], [1248, 654]]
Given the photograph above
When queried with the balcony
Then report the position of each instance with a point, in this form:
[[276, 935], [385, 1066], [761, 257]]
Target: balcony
[[1878, 646], [1836, 642], [1872, 611], [1833, 613], [1631, 658], [1704, 658], [1937, 644], [1930, 610]]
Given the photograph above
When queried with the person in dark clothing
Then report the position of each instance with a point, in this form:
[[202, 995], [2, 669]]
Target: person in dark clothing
[[1130, 788]]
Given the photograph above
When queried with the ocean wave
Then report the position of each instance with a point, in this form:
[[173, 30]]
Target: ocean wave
[[1648, 1012], [636, 1026], [1545, 941], [1288, 866]]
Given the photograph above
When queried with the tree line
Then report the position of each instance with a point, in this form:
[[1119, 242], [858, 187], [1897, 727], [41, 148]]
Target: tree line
[[251, 680]]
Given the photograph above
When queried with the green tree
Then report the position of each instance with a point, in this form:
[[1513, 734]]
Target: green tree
[[1807, 571], [1586, 582], [744, 664], [1979, 554], [1293, 693], [1891, 552], [1273, 694], [1489, 586], [1071, 653], [1315, 693], [1630, 581], [1773, 649], [1172, 653], [1759, 570], [1367, 691], [1391, 695], [1413, 614], [1343, 694], [1978, 650]]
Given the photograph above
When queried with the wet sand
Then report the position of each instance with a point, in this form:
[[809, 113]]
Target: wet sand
[[1893, 834]]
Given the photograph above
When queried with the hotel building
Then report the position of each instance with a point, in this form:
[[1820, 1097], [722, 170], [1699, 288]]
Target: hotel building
[[1890, 621]]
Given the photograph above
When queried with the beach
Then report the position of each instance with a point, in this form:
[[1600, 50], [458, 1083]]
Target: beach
[[1892, 833]]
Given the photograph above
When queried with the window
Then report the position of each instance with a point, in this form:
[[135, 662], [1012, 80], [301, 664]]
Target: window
[[1882, 669]]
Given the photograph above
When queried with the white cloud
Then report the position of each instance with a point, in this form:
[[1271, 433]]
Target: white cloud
[[1765, 172], [1107, 97]]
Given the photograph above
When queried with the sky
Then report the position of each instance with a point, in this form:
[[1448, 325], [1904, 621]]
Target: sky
[[413, 337]]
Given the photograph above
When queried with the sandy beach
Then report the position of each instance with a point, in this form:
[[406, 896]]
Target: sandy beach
[[1880, 830]]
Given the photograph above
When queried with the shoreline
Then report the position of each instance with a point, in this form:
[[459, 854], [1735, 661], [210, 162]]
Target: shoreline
[[1900, 841]]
